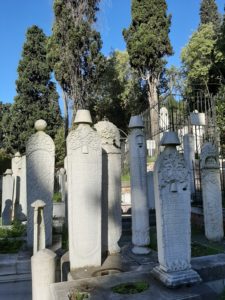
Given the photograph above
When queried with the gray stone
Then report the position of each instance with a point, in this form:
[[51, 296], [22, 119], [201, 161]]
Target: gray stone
[[39, 226], [138, 173], [163, 119], [189, 156], [150, 190], [211, 192], [111, 186], [84, 157], [173, 209], [7, 197], [40, 152]]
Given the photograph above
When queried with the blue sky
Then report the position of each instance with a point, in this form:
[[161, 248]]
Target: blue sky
[[16, 16]]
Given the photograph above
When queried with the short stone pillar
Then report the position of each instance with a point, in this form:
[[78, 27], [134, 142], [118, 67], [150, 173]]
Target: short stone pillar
[[84, 157], [211, 192], [39, 225], [62, 183], [40, 152], [7, 197], [138, 177], [189, 156], [43, 274], [173, 213], [111, 186]]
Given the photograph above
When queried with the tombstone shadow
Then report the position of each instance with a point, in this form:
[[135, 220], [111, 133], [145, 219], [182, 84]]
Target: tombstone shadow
[[7, 213]]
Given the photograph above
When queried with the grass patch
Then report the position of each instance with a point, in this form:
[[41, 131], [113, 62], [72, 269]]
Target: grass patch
[[130, 288], [198, 249], [9, 246], [125, 177], [151, 159]]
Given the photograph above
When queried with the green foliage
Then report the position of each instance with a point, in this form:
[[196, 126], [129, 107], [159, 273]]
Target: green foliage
[[60, 147], [198, 249], [131, 287], [36, 94], [5, 161], [16, 230], [8, 246], [57, 197], [209, 13]]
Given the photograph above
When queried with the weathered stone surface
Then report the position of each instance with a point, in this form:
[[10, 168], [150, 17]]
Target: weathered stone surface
[[164, 119], [43, 274], [138, 172], [189, 156], [84, 157], [211, 192], [40, 152], [7, 197], [111, 186], [173, 209], [39, 225], [150, 190]]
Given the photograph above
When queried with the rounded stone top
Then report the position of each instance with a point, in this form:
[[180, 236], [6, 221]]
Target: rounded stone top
[[17, 154], [109, 133], [44, 254], [136, 122], [170, 138], [83, 116], [40, 125], [38, 203], [8, 172]]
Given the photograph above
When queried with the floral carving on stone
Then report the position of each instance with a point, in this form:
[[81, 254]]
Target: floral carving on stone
[[209, 158], [109, 133], [40, 141]]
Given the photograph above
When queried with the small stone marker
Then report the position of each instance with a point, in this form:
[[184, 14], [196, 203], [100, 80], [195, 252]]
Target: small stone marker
[[138, 177], [7, 197], [164, 119], [173, 209], [189, 156], [40, 151], [84, 173], [111, 186], [39, 225], [43, 274], [211, 192]]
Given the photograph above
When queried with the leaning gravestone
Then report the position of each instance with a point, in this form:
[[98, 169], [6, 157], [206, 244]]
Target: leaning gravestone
[[84, 163], [40, 152], [111, 186], [7, 197], [173, 209], [211, 192], [138, 177]]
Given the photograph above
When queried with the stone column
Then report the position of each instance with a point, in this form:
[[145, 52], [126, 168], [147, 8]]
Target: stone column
[[111, 186], [7, 197], [173, 213], [138, 176], [189, 156], [40, 152], [62, 183], [43, 274], [211, 192], [84, 157], [39, 225]]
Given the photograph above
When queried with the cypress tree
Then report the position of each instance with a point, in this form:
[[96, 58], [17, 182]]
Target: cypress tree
[[36, 93], [209, 13]]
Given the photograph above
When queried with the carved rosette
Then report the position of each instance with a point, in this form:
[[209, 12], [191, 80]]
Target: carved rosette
[[109, 133], [40, 141]]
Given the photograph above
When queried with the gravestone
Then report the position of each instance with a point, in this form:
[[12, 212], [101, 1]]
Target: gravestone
[[189, 156], [7, 197], [164, 119], [43, 274], [84, 173], [40, 152], [111, 186], [62, 183], [138, 177], [211, 192], [39, 225], [173, 209]]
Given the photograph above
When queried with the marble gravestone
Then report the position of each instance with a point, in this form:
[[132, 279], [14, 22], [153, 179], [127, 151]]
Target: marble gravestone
[[40, 153], [39, 225], [138, 177], [111, 186], [173, 209], [164, 119], [84, 175], [7, 197], [189, 156], [211, 192]]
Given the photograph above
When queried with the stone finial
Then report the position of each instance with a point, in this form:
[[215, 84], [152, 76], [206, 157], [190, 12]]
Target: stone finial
[[40, 125], [17, 154], [8, 172], [109, 133], [38, 204], [83, 116], [136, 122], [170, 138]]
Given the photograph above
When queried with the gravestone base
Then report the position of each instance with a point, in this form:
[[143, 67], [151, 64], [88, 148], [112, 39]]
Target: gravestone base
[[140, 250], [177, 278]]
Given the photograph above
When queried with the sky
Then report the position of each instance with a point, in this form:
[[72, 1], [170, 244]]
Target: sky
[[16, 16]]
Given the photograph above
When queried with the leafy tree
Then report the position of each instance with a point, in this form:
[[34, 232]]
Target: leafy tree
[[60, 152], [119, 92], [147, 44], [36, 93], [74, 51], [209, 13]]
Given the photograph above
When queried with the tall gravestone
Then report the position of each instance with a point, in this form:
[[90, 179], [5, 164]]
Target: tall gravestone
[[138, 175], [40, 152], [7, 197], [173, 209], [189, 156], [111, 186], [84, 159], [211, 192]]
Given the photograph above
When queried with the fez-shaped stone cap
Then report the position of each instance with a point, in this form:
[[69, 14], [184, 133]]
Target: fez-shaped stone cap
[[38, 204], [83, 116], [8, 172], [136, 122], [170, 138], [17, 154], [40, 125]]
